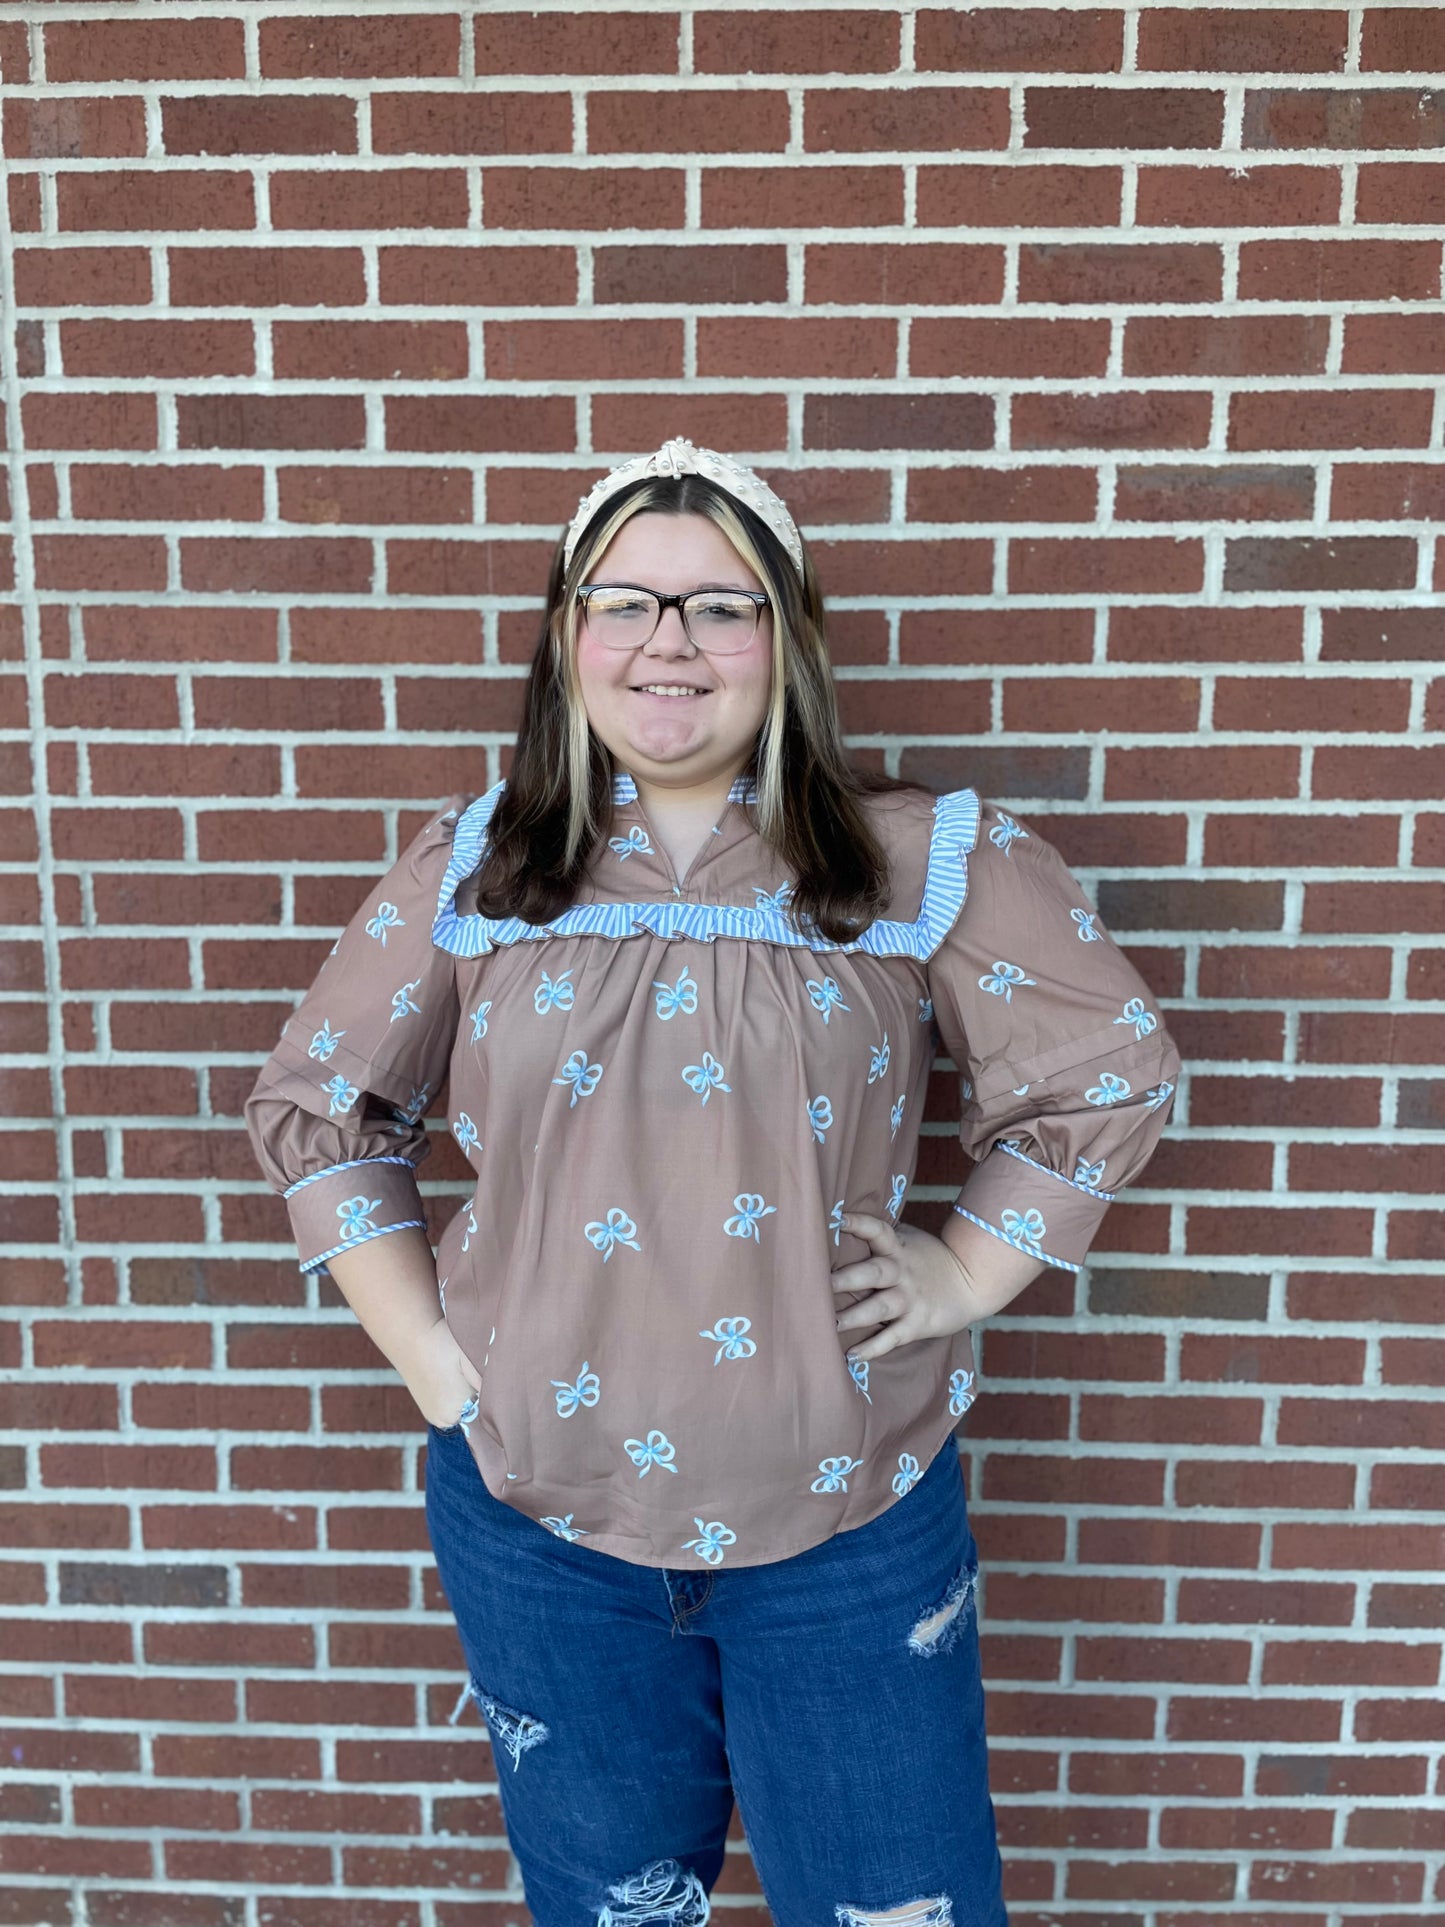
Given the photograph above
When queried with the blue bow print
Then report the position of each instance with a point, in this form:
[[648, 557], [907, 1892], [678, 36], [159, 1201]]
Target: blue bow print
[[582, 1076], [471, 1230], [355, 1216], [705, 1077], [877, 1059], [1159, 1096], [617, 1230], [1143, 1020], [563, 1527], [324, 1042], [681, 996], [820, 1116], [387, 917], [710, 1541], [416, 1102], [895, 1118], [479, 1021], [899, 1185], [778, 899], [750, 1207], [907, 1474], [658, 1450], [1109, 1089], [635, 839], [925, 1010], [1001, 982], [858, 1372], [1085, 921], [960, 1394], [834, 1474], [553, 993], [729, 1335], [1025, 1229], [403, 1004], [1089, 1176], [342, 1094], [835, 1220], [826, 996], [465, 1132], [586, 1391], [1007, 833]]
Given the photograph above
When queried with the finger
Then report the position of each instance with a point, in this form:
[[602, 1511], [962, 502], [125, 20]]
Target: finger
[[876, 1308], [869, 1274], [864, 1225], [882, 1342]]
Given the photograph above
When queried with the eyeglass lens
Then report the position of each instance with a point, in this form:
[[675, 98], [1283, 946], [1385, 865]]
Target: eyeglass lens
[[716, 619]]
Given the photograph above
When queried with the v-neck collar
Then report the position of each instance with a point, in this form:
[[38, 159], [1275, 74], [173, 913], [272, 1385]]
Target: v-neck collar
[[641, 841]]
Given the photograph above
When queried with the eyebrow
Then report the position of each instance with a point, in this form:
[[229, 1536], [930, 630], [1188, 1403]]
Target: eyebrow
[[742, 587]]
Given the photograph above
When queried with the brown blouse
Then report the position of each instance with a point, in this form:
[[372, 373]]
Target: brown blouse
[[645, 1288]]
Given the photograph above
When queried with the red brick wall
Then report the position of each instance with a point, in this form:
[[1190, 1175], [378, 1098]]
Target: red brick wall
[[1100, 352]]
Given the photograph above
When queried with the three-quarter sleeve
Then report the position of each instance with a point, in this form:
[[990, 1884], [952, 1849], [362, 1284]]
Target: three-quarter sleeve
[[1066, 1072], [335, 1117]]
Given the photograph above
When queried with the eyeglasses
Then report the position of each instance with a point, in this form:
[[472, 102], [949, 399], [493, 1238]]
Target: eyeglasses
[[623, 616]]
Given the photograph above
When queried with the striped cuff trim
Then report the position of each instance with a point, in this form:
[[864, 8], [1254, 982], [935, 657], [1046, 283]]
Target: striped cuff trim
[[1084, 1190], [351, 1164], [1029, 1251], [353, 1244]]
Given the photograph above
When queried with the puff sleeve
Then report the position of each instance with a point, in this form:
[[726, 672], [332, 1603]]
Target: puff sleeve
[[1066, 1072], [335, 1116]]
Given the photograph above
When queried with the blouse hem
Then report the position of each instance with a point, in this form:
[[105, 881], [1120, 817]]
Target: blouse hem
[[319, 1263]]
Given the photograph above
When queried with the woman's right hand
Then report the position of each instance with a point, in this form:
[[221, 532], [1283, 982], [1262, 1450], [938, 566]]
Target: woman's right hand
[[440, 1377]]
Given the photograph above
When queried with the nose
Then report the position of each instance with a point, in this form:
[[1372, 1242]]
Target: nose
[[670, 637]]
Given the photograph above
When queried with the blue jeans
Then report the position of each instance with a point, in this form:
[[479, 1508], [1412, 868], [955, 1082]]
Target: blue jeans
[[838, 1692]]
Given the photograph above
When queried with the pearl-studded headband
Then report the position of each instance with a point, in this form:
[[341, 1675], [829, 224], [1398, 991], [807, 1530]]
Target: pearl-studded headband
[[680, 457]]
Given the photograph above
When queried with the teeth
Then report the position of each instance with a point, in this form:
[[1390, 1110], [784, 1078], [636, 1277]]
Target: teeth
[[670, 689]]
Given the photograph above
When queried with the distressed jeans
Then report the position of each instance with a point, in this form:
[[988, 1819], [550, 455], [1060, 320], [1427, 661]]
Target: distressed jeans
[[837, 1693]]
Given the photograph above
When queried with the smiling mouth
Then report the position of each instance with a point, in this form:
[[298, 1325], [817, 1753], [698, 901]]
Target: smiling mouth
[[671, 689]]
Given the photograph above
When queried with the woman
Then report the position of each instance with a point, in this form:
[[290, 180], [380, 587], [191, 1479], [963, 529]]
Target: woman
[[691, 1384]]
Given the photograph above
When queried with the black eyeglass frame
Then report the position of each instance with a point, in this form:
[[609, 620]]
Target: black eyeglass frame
[[759, 600]]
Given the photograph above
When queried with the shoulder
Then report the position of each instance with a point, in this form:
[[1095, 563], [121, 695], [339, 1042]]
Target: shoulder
[[927, 838]]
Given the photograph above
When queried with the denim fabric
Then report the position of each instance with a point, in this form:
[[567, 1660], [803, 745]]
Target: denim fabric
[[627, 1704]]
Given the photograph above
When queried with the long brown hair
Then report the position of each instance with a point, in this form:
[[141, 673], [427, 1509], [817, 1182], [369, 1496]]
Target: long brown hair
[[558, 796]]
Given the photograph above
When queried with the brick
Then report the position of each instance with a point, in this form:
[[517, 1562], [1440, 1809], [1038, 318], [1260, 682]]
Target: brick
[[1380, 635], [1259, 563], [69, 127], [367, 1586], [490, 122], [1388, 492], [1084, 565], [1010, 39], [1018, 347], [296, 703], [30, 1526], [1314, 419], [1402, 40], [81, 277], [1330, 270], [701, 120], [1079, 705], [1225, 196], [192, 634], [585, 43], [165, 492], [1264, 1485], [158, 349], [1183, 634], [235, 1756], [903, 118], [487, 276], [574, 197], [1273, 344], [159, 1807], [104, 563], [586, 350], [1230, 40], [1387, 189], [802, 197], [979, 494], [812, 346], [89, 421], [1266, 839], [1198, 1775], [1123, 117], [1101, 271], [1343, 118], [137, 199], [465, 568], [190, 769], [1118, 421], [1135, 774], [1020, 194], [373, 45], [1256, 492], [1369, 907], [898, 421], [152, 49], [314, 1811], [479, 424], [226, 1527], [370, 350], [93, 701], [1310, 704], [1340, 1037], [273, 124], [331, 422], [216, 1642], [378, 199], [102, 1696], [749, 41], [331, 1702], [265, 277], [276, 564]]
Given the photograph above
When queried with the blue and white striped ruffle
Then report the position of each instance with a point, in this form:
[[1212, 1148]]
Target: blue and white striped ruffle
[[955, 832]]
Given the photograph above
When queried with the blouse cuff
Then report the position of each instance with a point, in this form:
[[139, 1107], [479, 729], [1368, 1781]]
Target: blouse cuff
[[346, 1204], [1033, 1208]]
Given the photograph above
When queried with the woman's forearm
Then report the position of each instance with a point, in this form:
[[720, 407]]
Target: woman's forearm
[[391, 1285], [995, 1271]]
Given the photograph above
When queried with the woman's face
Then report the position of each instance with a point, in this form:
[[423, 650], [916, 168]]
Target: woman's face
[[686, 741]]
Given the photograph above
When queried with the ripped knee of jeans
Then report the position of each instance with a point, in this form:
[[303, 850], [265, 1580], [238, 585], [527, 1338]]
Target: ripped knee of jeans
[[665, 1892], [514, 1732], [937, 1912], [947, 1622]]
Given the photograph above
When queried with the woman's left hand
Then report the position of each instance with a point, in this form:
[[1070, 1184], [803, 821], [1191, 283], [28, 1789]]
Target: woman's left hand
[[916, 1287]]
